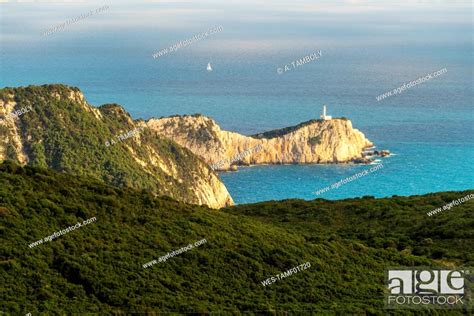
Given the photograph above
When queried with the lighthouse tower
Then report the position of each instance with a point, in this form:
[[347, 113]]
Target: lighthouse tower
[[324, 116]]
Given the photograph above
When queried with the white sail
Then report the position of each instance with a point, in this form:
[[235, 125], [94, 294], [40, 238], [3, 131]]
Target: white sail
[[209, 68]]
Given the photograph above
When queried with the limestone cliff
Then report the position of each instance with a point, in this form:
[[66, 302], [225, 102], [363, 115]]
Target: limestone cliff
[[316, 141], [52, 126]]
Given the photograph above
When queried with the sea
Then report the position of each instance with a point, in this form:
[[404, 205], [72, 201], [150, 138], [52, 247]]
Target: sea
[[428, 128]]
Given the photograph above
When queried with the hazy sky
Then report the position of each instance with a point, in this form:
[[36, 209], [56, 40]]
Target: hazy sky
[[248, 24]]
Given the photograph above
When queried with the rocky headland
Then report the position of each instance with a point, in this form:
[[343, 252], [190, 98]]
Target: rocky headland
[[315, 141]]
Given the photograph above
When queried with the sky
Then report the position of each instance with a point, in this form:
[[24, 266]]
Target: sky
[[255, 25]]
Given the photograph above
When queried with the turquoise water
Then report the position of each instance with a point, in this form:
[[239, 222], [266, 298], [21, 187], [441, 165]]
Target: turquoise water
[[429, 127], [417, 168]]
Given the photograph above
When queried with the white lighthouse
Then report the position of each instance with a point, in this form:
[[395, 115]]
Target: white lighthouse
[[324, 116]]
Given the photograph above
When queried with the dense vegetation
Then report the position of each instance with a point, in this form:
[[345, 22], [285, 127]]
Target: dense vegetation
[[66, 134], [283, 131], [396, 223], [287, 130], [98, 268]]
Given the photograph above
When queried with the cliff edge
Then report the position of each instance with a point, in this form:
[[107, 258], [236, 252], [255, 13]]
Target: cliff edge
[[315, 141]]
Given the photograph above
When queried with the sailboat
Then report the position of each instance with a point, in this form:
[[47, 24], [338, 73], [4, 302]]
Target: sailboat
[[209, 68]]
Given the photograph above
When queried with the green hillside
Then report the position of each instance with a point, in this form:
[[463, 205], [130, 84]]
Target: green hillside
[[397, 223], [99, 267], [65, 133]]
